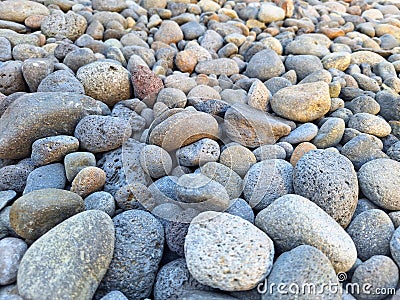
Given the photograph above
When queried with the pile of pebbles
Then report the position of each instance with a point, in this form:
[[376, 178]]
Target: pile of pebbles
[[181, 149]]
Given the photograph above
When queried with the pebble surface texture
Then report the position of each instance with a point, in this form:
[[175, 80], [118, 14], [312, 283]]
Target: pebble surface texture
[[125, 122], [211, 235]]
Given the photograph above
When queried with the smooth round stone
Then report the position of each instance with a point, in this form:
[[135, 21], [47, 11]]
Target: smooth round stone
[[77, 161], [78, 58], [201, 192], [88, 180], [139, 241], [394, 151], [174, 279], [309, 44], [19, 11], [300, 150], [362, 206], [266, 181], [35, 70], [105, 81], [35, 213], [6, 197], [330, 134], [155, 161], [53, 149], [303, 65], [237, 158], [114, 295], [303, 264], [371, 232], [225, 176], [226, 252], [277, 83], [265, 65], [251, 127], [369, 57], [61, 81], [169, 32], [116, 5], [389, 103], [293, 220], [172, 97], [182, 129], [38, 115], [5, 49], [100, 201], [269, 152], [258, 96], [378, 181], [270, 13], [312, 101], [379, 273], [200, 152], [337, 60], [204, 93], [71, 259], [395, 217], [304, 133], [180, 81], [217, 66], [366, 83], [192, 30], [69, 25], [329, 180], [370, 124], [362, 149], [241, 208], [363, 104], [102, 133], [395, 246], [49, 176], [11, 252]]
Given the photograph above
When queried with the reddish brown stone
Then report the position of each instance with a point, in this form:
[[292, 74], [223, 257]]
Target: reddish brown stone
[[146, 84]]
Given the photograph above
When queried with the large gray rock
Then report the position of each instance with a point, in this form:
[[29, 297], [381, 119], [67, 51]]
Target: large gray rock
[[329, 180], [303, 65], [70, 25], [69, 260], [265, 65], [293, 220], [35, 213], [11, 252], [18, 11], [139, 242], [38, 115], [303, 264], [50, 176], [226, 252], [251, 127], [379, 182]]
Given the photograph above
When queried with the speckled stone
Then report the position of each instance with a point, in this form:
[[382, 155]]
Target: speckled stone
[[330, 133], [370, 124], [49, 176], [304, 133], [200, 152], [146, 84], [155, 161], [329, 180], [71, 259], [238, 158], [75, 162], [293, 220], [217, 242], [70, 25], [101, 201], [11, 252], [35, 213], [300, 150], [88, 180]]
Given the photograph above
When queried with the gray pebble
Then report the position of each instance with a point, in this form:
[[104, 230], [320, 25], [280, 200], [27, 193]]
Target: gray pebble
[[172, 97], [200, 152], [330, 133], [49, 176], [265, 65], [394, 151], [61, 81], [5, 49], [11, 252], [11, 78], [13, 177], [35, 70], [78, 58], [362, 206], [265, 152], [371, 232], [101, 201], [277, 83], [304, 133], [304, 65], [241, 208], [77, 161], [266, 181], [114, 295], [155, 161], [363, 104], [329, 180]]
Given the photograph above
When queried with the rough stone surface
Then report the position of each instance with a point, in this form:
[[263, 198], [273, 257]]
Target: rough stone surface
[[101, 201], [39, 115], [293, 220], [370, 124], [330, 133], [200, 152], [329, 180], [50, 176], [252, 127], [208, 251], [71, 259], [265, 65], [88, 180], [11, 252], [139, 242], [60, 25], [378, 181], [35, 213], [61, 81], [75, 162], [312, 101], [155, 161]]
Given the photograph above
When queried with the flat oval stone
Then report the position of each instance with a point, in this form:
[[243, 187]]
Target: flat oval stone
[[251, 127], [379, 182], [371, 124], [71, 259], [330, 133], [35, 213], [227, 252], [182, 129], [304, 133], [217, 66], [303, 102], [293, 220], [37, 115], [18, 11]]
